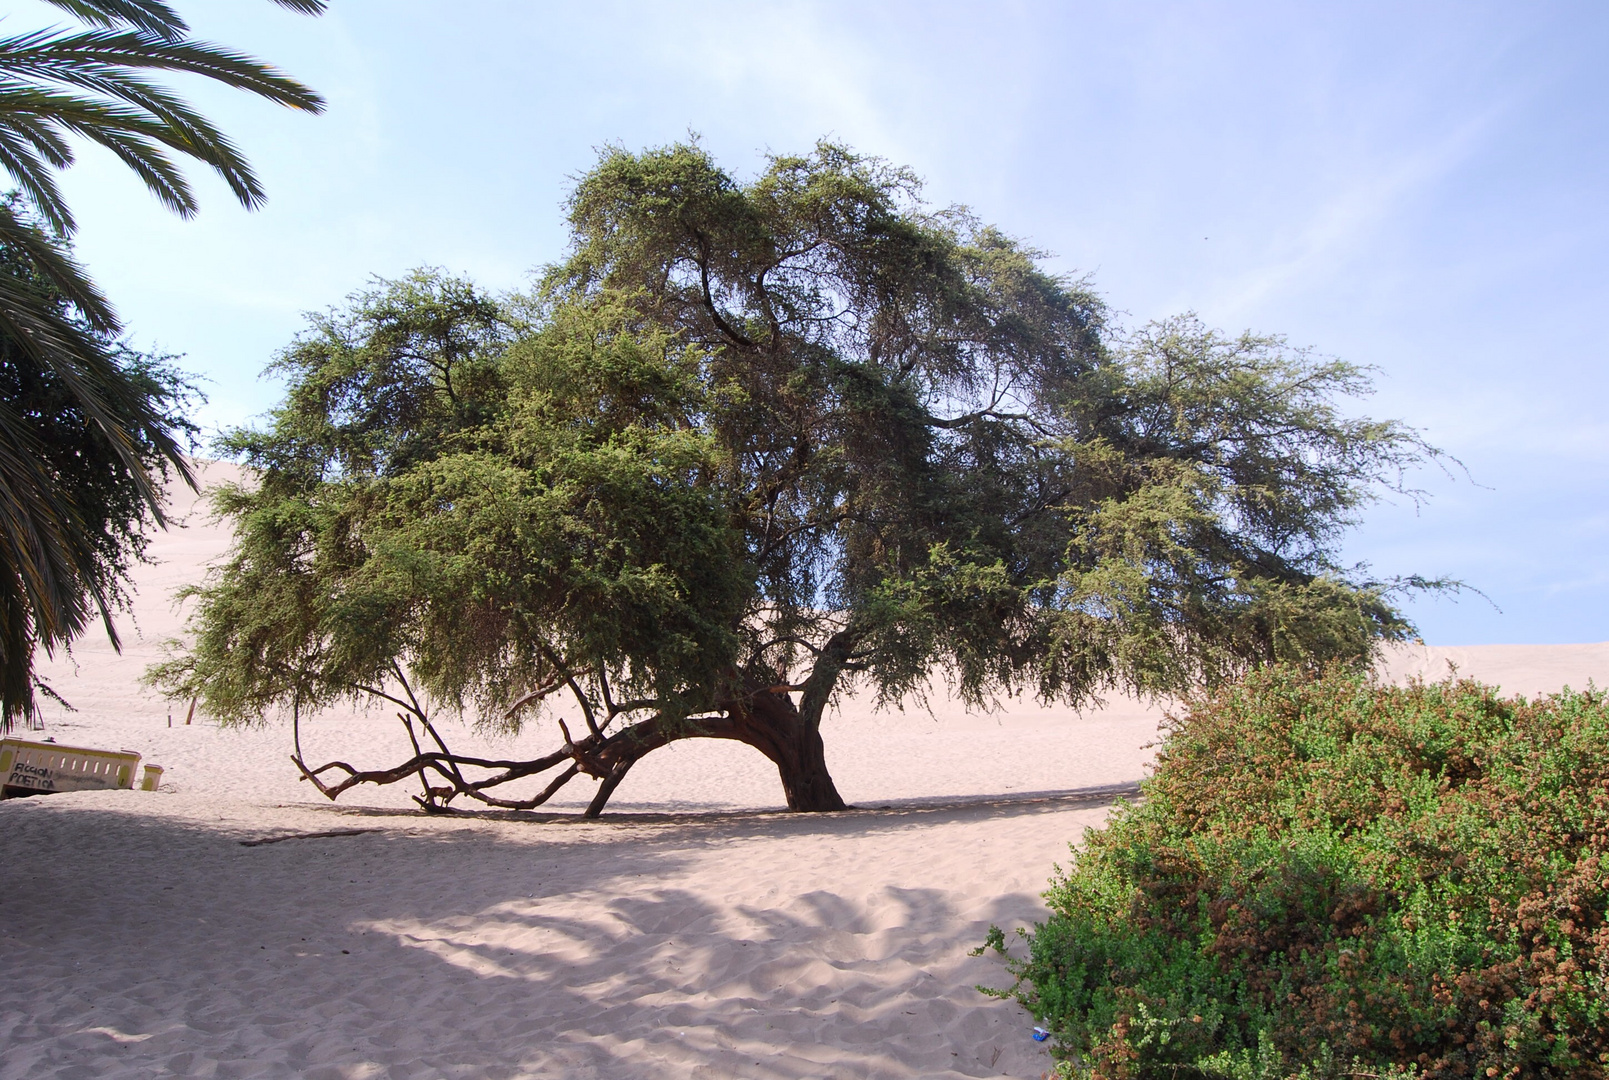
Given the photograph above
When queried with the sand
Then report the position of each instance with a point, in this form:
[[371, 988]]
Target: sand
[[694, 932], [141, 938]]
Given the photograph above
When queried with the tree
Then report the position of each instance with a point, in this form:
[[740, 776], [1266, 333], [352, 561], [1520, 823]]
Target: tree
[[750, 445], [60, 336], [103, 507]]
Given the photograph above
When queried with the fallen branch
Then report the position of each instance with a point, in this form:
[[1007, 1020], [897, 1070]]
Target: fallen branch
[[305, 836]]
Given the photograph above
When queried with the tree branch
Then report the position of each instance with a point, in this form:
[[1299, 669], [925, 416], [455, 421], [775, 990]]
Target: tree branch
[[790, 640], [991, 414], [709, 298], [535, 695]]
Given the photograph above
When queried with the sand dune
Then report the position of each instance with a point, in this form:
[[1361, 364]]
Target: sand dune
[[696, 932], [1518, 669]]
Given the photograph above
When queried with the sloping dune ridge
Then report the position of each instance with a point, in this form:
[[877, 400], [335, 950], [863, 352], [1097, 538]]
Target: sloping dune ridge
[[234, 924]]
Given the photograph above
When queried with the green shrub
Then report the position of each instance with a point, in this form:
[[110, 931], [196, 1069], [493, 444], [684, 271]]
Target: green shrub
[[1328, 877]]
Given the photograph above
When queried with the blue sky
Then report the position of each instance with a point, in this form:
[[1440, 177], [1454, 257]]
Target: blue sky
[[1416, 186]]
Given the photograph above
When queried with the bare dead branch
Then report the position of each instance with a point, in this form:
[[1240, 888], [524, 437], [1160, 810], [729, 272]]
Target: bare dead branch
[[355, 777], [585, 762], [448, 767], [452, 762], [530, 804], [414, 707], [607, 759], [570, 678], [586, 707], [535, 695], [417, 751]]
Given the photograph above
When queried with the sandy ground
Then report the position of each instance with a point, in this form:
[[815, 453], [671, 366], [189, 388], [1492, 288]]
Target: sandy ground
[[141, 938], [695, 932]]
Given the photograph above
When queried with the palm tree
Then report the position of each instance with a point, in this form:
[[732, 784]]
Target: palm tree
[[92, 83]]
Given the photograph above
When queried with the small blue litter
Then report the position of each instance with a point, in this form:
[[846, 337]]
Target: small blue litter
[[1040, 1034]]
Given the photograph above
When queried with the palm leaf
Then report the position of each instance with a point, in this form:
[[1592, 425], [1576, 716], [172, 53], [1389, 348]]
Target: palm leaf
[[63, 273], [48, 562], [154, 16], [55, 54], [92, 84], [30, 114], [36, 178], [123, 111], [149, 16]]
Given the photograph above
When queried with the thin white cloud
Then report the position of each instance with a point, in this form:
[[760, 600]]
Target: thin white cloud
[[1349, 220]]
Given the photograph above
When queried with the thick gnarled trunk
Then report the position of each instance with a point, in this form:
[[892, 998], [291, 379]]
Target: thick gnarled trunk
[[775, 727], [769, 722], [766, 719]]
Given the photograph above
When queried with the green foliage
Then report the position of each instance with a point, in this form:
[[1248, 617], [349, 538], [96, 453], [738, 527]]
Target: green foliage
[[482, 506], [1329, 877], [74, 515], [65, 523], [1217, 490], [783, 435]]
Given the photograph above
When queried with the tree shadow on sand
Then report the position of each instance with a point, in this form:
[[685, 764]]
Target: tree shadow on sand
[[467, 946]]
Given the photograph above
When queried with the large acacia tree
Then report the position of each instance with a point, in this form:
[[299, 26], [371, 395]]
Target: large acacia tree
[[753, 444]]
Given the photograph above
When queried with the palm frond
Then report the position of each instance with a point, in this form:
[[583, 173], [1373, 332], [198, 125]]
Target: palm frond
[[127, 132], [154, 16], [123, 111], [51, 581], [37, 181], [46, 50], [42, 541], [149, 16], [45, 139], [161, 176], [97, 385], [61, 270], [53, 578], [132, 134], [105, 79]]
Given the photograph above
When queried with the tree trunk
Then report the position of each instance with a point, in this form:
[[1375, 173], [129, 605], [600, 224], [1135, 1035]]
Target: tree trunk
[[772, 725], [768, 722]]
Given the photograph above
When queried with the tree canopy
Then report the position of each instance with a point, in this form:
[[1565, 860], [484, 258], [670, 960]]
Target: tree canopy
[[750, 444], [60, 339]]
